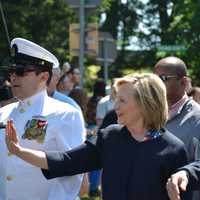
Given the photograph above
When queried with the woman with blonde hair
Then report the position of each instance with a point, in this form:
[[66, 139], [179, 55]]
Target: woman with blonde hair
[[137, 155]]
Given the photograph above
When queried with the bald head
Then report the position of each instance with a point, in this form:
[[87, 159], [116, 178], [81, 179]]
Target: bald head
[[176, 82], [174, 65]]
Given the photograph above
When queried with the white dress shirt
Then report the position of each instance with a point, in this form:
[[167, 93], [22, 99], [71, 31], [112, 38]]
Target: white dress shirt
[[20, 180]]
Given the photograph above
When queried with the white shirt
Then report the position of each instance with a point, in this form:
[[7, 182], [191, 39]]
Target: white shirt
[[20, 180], [104, 105]]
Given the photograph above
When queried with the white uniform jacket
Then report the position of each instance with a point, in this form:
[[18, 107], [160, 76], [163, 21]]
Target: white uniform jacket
[[46, 124]]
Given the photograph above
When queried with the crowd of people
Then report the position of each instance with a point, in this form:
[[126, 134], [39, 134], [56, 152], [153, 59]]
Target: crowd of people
[[141, 141]]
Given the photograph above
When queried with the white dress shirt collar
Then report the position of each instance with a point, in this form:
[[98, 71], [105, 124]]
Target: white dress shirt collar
[[30, 101]]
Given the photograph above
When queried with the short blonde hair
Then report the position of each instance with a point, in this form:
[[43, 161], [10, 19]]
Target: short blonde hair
[[150, 94]]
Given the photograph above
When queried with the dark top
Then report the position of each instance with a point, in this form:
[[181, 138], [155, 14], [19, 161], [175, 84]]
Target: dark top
[[132, 170], [193, 170]]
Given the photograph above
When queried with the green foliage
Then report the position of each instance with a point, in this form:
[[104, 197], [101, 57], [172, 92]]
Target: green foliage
[[91, 75], [128, 71], [171, 22], [174, 22], [43, 21], [120, 14]]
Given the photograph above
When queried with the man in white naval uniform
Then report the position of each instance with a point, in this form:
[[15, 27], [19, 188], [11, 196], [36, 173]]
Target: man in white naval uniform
[[41, 122]]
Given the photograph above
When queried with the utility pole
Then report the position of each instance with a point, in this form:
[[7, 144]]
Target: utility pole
[[5, 24], [84, 7], [82, 38], [107, 52]]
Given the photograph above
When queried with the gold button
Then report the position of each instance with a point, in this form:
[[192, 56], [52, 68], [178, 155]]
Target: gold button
[[9, 178]]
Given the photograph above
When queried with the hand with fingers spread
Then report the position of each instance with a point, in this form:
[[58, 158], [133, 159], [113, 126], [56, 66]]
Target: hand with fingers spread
[[11, 138], [37, 158], [176, 183]]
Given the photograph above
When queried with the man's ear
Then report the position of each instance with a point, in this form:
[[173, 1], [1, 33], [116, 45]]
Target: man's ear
[[184, 81], [44, 76]]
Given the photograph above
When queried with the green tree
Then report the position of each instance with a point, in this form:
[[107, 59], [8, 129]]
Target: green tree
[[121, 20], [173, 22], [45, 22]]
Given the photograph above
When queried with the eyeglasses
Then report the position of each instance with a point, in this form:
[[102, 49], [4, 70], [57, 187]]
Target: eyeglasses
[[21, 71], [164, 77]]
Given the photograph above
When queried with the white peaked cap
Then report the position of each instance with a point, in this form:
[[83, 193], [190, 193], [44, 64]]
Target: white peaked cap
[[32, 51]]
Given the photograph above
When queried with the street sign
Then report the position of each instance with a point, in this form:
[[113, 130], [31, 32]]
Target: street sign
[[89, 6], [171, 48], [107, 51], [91, 39], [107, 47]]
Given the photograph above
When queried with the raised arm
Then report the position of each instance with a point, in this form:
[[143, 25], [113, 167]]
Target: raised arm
[[37, 158]]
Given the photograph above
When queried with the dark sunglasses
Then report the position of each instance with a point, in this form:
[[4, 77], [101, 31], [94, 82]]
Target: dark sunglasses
[[164, 77], [20, 71]]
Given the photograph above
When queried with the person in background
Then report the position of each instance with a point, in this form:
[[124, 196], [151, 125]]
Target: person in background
[[65, 68], [69, 80], [81, 98], [121, 150], [75, 75], [195, 94], [184, 112], [104, 105], [72, 72], [52, 90], [64, 85], [6, 96], [99, 91], [42, 123], [185, 178]]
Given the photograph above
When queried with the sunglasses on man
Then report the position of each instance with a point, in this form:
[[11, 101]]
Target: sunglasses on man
[[164, 77], [22, 70]]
